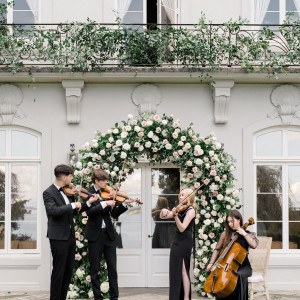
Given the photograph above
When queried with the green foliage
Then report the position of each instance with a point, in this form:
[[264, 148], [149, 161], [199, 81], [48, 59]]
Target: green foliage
[[89, 46]]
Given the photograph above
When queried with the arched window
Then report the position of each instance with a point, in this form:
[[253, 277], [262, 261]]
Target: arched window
[[277, 186], [19, 190]]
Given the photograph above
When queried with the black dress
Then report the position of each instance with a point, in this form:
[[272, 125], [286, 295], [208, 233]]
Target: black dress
[[181, 253], [244, 271]]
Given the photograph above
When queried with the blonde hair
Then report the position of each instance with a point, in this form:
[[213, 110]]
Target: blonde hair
[[189, 193]]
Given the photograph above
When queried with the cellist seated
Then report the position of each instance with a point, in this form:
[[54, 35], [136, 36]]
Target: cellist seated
[[234, 224]]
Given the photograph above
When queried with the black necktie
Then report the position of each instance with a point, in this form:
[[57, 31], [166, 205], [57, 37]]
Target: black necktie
[[61, 189]]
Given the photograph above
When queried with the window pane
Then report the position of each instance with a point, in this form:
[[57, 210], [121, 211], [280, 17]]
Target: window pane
[[2, 143], [21, 5], [2, 207], [269, 207], [269, 179], [271, 18], [294, 143], [290, 5], [136, 5], [294, 192], [165, 181], [24, 184], [294, 238], [25, 17], [2, 193], [274, 5], [269, 144], [23, 235], [133, 17], [129, 225], [24, 144], [163, 230], [2, 235], [273, 230]]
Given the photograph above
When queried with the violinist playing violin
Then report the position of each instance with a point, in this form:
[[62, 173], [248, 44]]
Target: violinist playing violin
[[60, 209], [234, 224], [101, 235], [180, 255]]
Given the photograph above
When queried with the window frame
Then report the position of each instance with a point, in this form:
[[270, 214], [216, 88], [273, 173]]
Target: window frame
[[282, 12], [284, 161], [9, 161], [10, 12]]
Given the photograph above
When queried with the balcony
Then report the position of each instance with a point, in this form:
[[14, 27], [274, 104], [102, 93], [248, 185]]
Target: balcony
[[97, 48]]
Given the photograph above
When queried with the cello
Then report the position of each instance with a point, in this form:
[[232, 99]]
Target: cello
[[222, 280]]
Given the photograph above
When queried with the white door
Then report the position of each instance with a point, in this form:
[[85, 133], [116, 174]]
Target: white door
[[145, 239]]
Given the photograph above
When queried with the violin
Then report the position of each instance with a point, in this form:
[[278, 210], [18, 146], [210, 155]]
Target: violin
[[110, 194], [181, 207], [71, 190], [222, 280]]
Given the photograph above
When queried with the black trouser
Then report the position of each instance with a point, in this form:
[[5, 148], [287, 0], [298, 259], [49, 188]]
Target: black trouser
[[63, 253], [103, 245]]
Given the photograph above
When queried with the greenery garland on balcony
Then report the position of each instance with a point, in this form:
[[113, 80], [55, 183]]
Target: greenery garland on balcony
[[90, 47]]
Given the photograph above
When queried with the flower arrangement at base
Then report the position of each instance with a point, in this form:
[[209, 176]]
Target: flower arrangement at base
[[160, 139]]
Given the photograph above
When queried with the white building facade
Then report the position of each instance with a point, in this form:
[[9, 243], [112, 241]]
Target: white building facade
[[255, 116]]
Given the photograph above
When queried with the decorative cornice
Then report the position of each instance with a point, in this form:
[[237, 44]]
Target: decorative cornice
[[285, 98], [221, 97], [11, 98], [73, 98], [146, 97]]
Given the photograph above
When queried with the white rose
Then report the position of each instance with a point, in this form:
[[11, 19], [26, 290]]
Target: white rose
[[155, 138], [79, 272], [137, 128], [150, 134], [216, 224], [196, 272], [79, 165], [123, 155], [104, 287], [175, 135], [119, 143], [141, 148], [124, 134], [126, 146], [108, 145], [164, 122], [91, 294], [113, 173], [148, 144], [189, 163], [207, 222], [180, 143], [115, 131], [149, 123], [130, 117]]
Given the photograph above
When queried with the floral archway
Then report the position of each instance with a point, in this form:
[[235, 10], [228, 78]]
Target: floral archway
[[160, 139]]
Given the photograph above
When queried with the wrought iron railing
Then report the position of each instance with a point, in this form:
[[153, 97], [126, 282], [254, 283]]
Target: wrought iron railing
[[96, 47]]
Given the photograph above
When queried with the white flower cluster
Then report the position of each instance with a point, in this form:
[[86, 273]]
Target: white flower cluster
[[161, 139]]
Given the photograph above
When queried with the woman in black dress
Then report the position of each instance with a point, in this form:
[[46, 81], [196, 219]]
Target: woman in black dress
[[234, 223], [180, 256]]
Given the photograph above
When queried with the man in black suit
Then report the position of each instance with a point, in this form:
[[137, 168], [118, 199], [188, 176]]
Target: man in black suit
[[100, 233], [60, 209]]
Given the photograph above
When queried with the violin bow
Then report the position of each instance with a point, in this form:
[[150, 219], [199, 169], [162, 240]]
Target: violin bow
[[80, 186], [118, 184]]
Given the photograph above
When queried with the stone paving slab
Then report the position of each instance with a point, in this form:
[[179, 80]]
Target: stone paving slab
[[140, 294]]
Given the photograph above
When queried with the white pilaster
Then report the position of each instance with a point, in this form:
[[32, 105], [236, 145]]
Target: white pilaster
[[221, 97], [73, 97]]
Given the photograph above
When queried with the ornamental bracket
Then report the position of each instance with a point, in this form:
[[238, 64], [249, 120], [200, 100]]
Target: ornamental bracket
[[221, 97], [11, 97], [73, 97]]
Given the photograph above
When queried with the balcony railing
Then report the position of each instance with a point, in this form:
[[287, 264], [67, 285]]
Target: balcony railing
[[98, 47]]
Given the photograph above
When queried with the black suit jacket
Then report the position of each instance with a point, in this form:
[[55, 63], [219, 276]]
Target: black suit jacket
[[60, 214], [95, 216]]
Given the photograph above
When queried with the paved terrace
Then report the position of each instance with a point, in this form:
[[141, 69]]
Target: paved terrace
[[139, 294]]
